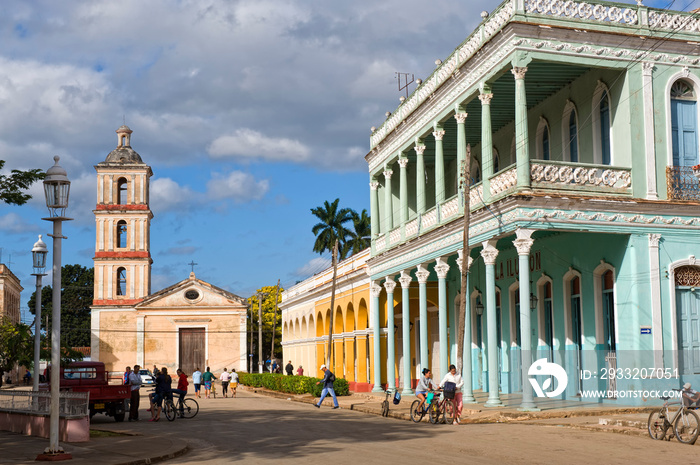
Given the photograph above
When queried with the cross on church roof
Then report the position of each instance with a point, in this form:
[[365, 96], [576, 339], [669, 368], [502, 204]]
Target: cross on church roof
[[193, 264]]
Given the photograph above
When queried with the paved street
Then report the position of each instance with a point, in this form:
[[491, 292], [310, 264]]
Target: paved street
[[260, 429]]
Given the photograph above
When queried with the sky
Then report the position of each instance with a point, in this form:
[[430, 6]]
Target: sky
[[249, 112]]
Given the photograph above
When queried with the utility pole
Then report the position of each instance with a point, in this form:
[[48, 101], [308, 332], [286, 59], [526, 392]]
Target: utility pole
[[466, 177], [274, 323], [260, 356], [330, 326], [250, 334]]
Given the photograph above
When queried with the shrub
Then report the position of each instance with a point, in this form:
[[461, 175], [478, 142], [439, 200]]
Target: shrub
[[291, 384]]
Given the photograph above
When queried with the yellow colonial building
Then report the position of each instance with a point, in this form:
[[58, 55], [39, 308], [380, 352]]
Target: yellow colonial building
[[306, 310], [189, 325]]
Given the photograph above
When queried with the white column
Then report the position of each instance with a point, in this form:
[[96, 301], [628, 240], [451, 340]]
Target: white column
[[132, 233], [375, 290], [100, 282], [656, 321], [110, 188], [388, 207], [100, 189], [489, 254], [405, 281], [390, 285], [649, 136], [133, 190], [132, 281], [110, 234], [441, 269], [143, 188], [422, 274], [102, 234], [110, 282]]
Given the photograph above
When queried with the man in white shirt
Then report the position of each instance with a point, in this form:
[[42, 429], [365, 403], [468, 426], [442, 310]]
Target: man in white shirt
[[135, 383], [197, 381], [225, 378], [234, 381]]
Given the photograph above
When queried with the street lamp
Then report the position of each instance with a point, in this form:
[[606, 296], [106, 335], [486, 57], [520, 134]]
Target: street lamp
[[56, 190], [39, 252]]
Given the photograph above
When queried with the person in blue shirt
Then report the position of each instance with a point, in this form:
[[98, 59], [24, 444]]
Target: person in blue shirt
[[328, 379], [197, 381], [163, 389]]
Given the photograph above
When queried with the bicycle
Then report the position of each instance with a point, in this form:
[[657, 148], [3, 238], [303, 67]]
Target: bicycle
[[385, 403], [441, 411], [188, 408], [169, 407], [685, 422], [416, 414], [212, 391]]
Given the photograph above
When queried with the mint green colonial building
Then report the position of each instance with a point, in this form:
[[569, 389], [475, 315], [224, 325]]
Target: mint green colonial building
[[579, 122]]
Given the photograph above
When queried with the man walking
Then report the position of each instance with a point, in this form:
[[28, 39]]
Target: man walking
[[290, 368], [135, 383], [328, 380], [197, 381]]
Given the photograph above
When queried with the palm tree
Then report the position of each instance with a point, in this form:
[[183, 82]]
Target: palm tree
[[359, 239], [331, 226]]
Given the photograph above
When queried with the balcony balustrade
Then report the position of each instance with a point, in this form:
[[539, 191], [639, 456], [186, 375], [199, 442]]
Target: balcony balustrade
[[682, 184]]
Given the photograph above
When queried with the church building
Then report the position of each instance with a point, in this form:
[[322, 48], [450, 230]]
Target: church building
[[189, 325]]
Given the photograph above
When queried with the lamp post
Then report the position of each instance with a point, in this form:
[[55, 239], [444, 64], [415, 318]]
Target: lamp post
[[39, 252], [56, 190]]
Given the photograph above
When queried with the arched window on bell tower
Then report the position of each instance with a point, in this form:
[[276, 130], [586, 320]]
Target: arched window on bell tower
[[121, 234], [121, 281], [122, 185]]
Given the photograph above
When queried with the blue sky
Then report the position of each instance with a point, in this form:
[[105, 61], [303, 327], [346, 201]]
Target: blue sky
[[249, 112]]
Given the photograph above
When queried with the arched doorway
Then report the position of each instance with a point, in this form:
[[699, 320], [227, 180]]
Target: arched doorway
[[687, 281]]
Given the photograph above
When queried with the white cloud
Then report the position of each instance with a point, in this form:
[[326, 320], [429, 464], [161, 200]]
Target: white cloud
[[168, 195], [314, 266], [238, 186], [13, 223], [250, 144]]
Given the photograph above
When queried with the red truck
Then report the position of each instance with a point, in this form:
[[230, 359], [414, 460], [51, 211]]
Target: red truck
[[92, 377]]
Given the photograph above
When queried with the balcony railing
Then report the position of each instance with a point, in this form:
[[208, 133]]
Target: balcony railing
[[580, 177], [681, 183]]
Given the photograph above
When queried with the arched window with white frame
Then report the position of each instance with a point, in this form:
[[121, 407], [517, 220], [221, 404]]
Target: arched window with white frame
[[684, 125], [121, 281], [543, 140], [570, 133], [601, 120]]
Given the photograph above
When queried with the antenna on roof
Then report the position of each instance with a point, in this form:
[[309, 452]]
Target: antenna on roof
[[406, 82]]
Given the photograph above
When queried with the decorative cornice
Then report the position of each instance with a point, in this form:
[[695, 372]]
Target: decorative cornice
[[122, 255], [461, 117], [489, 252], [438, 135], [485, 98], [389, 285], [138, 207], [422, 274]]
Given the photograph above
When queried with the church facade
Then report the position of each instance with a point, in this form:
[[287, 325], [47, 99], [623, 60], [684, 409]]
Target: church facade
[[189, 325]]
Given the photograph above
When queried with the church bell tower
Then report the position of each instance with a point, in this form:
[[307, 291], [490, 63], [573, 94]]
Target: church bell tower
[[123, 224]]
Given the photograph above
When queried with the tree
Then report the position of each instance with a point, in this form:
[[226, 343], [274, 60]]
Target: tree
[[359, 239], [16, 346], [268, 316], [77, 283], [331, 226], [12, 187]]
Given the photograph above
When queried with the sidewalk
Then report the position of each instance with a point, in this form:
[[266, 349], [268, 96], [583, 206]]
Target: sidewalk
[[475, 413], [113, 450]]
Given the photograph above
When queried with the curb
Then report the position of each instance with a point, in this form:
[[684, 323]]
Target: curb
[[159, 458]]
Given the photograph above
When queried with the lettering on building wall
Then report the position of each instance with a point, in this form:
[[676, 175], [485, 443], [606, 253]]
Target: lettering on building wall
[[510, 268]]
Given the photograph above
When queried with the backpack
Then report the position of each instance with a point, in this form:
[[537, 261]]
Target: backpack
[[331, 378], [397, 397]]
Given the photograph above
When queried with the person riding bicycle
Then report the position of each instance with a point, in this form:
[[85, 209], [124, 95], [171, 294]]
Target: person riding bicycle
[[690, 396], [453, 382], [425, 385]]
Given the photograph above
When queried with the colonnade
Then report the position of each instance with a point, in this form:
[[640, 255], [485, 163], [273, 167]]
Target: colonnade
[[523, 243], [384, 222]]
